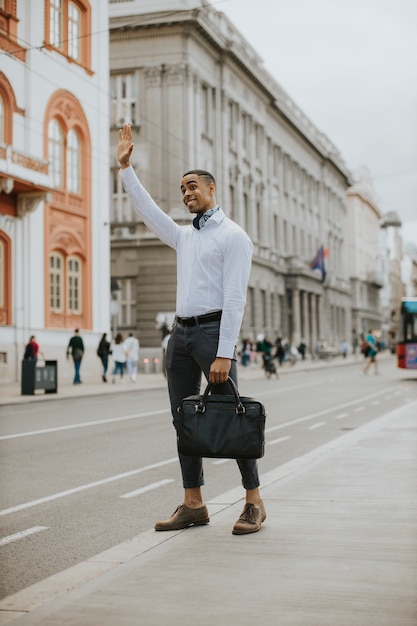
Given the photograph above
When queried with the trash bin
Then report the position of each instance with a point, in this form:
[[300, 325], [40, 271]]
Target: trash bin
[[28, 378], [146, 366], [46, 377], [39, 377]]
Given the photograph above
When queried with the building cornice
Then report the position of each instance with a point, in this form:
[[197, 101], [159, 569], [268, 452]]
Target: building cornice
[[231, 46]]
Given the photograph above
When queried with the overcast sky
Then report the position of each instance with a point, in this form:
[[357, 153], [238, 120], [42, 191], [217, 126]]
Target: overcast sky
[[351, 66]]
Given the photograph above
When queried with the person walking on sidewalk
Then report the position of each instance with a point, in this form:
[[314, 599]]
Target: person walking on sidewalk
[[119, 357], [371, 354], [214, 258], [76, 348], [32, 350], [103, 352], [132, 353]]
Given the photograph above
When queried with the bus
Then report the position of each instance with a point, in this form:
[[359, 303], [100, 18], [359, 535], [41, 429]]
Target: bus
[[407, 339]]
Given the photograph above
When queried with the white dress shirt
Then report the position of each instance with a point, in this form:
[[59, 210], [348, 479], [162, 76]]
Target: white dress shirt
[[213, 263]]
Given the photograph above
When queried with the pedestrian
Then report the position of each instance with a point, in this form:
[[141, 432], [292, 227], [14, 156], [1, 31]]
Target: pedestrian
[[279, 351], [76, 349], [344, 347], [245, 353], [371, 353], [119, 357], [214, 258], [132, 354], [32, 350], [302, 348], [103, 352]]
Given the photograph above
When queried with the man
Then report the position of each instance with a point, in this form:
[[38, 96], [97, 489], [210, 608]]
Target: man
[[213, 264], [371, 353], [76, 346], [132, 354]]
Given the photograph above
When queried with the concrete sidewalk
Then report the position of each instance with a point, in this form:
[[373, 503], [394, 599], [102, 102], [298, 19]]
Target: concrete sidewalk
[[338, 548]]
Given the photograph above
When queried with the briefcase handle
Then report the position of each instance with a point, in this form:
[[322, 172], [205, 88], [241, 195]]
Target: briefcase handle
[[201, 406]]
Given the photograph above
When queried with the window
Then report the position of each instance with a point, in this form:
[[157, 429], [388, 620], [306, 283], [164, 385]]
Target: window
[[7, 108], [127, 302], [2, 119], [245, 132], [55, 23], [74, 31], [74, 285], [232, 124], [73, 162], [123, 99], [246, 216], [67, 29], [121, 208], [55, 150], [55, 282], [62, 169], [258, 141], [2, 274], [206, 110]]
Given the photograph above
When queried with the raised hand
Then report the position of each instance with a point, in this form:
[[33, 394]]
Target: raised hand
[[125, 146]]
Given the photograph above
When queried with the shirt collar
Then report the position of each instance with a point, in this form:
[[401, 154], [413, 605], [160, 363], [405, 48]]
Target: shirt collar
[[201, 220]]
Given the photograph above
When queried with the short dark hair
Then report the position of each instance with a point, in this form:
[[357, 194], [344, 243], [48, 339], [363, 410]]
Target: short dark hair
[[201, 174]]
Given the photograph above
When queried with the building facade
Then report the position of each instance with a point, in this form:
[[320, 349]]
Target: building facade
[[54, 207], [366, 258], [394, 289], [198, 96]]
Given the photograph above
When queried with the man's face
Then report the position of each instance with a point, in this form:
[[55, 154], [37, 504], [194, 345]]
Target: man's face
[[197, 194]]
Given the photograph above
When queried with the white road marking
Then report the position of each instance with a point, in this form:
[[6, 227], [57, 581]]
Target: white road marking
[[221, 461], [376, 402], [97, 483], [359, 408], [341, 416], [279, 440], [22, 534], [325, 412], [56, 429], [318, 425], [150, 487]]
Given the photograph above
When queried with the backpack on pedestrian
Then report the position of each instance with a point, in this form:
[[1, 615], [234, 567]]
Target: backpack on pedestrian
[[28, 355]]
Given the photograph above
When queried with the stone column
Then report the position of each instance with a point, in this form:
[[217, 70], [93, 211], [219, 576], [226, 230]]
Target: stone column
[[313, 308], [296, 331]]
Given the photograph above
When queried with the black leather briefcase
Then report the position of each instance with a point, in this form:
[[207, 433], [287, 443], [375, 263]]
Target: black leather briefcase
[[221, 426]]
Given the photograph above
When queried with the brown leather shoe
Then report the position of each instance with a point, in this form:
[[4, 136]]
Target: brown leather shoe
[[250, 520], [183, 517]]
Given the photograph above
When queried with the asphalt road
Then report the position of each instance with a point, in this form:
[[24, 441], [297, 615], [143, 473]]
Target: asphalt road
[[80, 476]]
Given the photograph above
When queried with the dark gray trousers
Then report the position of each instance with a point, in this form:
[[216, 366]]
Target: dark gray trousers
[[190, 352]]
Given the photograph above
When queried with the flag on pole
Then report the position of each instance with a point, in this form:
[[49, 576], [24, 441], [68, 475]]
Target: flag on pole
[[318, 263]]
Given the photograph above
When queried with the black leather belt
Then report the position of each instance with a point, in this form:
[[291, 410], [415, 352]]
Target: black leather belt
[[199, 319]]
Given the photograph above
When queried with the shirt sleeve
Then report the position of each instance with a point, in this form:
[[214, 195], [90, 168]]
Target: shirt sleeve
[[238, 253], [154, 217]]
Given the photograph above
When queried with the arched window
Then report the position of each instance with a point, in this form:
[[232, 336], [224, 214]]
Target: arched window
[[74, 298], [73, 162], [56, 270], [2, 274], [2, 119], [55, 152]]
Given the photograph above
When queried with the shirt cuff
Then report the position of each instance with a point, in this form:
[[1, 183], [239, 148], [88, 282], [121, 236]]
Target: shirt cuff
[[226, 349], [128, 177]]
